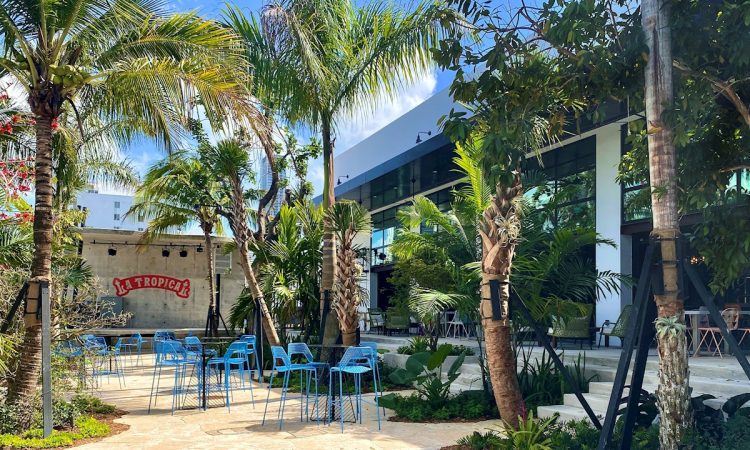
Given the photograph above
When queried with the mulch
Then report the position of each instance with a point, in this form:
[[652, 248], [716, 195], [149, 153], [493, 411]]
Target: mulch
[[109, 419]]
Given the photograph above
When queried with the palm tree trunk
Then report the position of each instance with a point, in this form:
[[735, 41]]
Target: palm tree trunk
[[673, 396], [22, 389], [499, 232], [346, 294], [213, 318], [265, 315], [329, 238]]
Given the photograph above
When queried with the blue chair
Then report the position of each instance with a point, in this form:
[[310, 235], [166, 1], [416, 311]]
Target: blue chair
[[170, 353], [234, 359], [355, 361], [133, 345], [282, 364], [102, 358], [164, 335], [68, 349], [194, 346], [251, 342], [373, 361], [301, 350]]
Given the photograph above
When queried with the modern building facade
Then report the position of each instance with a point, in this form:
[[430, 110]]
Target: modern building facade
[[411, 157], [107, 211]]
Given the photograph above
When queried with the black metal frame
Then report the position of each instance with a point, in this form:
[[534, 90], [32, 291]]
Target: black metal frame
[[14, 307], [517, 302], [643, 332], [215, 313]]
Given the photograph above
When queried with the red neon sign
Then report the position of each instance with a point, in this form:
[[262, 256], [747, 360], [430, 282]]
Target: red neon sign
[[125, 285]]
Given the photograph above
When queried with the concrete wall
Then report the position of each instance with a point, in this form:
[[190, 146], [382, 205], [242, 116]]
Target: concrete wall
[[157, 308]]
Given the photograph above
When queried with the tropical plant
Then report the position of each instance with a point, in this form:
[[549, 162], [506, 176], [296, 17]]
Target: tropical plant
[[130, 59], [176, 192], [348, 219], [289, 268], [330, 59], [230, 163]]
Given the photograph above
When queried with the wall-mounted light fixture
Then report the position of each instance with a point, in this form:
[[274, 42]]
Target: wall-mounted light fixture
[[420, 133], [165, 252], [112, 251], [199, 249], [183, 253], [338, 181]]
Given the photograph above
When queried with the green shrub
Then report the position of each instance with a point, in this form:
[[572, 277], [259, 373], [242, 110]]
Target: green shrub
[[481, 441], [86, 427], [9, 418], [419, 344], [91, 405], [465, 405]]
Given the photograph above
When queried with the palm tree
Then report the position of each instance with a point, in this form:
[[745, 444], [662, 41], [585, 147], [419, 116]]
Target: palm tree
[[673, 392], [330, 59], [348, 219], [230, 163], [176, 192], [128, 58]]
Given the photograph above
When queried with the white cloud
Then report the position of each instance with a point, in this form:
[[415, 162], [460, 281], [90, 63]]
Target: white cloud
[[351, 131]]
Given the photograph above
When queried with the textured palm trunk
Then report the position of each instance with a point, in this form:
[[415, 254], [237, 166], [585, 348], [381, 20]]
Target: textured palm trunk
[[213, 317], [347, 292], [673, 396], [238, 224], [22, 389], [329, 238], [499, 230]]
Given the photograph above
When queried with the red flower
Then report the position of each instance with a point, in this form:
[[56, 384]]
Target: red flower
[[4, 97], [24, 188], [55, 126], [15, 119]]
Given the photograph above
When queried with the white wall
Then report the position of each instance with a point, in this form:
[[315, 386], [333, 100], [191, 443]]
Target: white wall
[[102, 209], [396, 137], [608, 215]]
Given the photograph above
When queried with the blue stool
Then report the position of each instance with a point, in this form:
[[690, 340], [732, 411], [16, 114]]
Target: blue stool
[[233, 359], [355, 361], [250, 341], [282, 364], [170, 354], [377, 385], [133, 344], [303, 351], [97, 347]]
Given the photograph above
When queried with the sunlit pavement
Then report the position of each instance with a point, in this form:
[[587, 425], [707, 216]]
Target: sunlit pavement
[[241, 428]]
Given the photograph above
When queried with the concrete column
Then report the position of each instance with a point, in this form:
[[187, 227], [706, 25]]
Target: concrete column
[[608, 216]]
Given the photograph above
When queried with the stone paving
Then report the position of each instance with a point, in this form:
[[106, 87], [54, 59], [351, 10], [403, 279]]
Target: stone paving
[[241, 428]]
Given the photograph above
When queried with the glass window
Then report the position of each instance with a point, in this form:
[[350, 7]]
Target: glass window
[[117, 217]]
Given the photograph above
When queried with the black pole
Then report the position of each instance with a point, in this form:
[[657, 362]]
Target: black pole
[[12, 312], [708, 301], [542, 336], [259, 339], [634, 329]]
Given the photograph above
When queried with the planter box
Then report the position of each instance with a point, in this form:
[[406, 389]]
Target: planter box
[[399, 361]]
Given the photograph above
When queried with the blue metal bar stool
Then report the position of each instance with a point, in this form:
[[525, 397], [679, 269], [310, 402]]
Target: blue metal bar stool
[[355, 361], [133, 344], [170, 354], [101, 354], [233, 359], [308, 362], [251, 341], [282, 364], [373, 360]]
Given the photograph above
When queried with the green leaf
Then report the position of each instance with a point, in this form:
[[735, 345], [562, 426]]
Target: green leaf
[[437, 358], [416, 363], [453, 370]]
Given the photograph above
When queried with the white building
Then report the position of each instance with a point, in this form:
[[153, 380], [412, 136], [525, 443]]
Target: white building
[[107, 211], [410, 156]]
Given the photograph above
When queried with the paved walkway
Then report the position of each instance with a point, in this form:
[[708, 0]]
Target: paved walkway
[[241, 429]]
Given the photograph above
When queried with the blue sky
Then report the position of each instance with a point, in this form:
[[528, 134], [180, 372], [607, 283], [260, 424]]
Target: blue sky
[[350, 131]]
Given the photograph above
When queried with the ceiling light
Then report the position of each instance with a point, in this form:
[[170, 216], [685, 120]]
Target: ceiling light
[[183, 253], [199, 249], [111, 251], [165, 252]]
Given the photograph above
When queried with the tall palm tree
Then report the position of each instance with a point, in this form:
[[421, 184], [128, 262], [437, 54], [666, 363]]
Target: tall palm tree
[[348, 219], [230, 163], [129, 58], [176, 192], [673, 393], [328, 60]]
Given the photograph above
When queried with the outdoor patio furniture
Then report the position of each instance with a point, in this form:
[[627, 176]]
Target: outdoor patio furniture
[[732, 318], [301, 350], [233, 360], [376, 319], [352, 363], [195, 348], [164, 335], [250, 342], [576, 328], [133, 344], [619, 329], [396, 320], [456, 323], [170, 354], [282, 364], [373, 361], [105, 361]]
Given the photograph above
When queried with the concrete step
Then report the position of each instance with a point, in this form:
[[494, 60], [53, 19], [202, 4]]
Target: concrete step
[[567, 413], [597, 402]]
